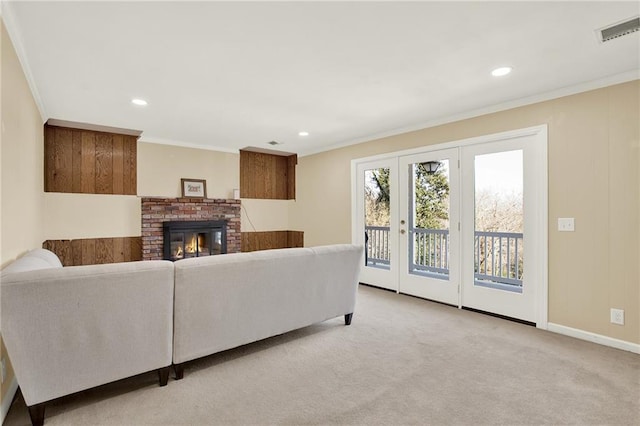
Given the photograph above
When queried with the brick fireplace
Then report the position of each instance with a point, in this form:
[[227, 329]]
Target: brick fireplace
[[156, 211]]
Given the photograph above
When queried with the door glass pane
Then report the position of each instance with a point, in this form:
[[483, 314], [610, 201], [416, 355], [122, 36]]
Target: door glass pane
[[429, 219], [499, 221], [376, 217]]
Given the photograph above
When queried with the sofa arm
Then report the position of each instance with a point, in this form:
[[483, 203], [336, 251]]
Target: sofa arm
[[69, 329]]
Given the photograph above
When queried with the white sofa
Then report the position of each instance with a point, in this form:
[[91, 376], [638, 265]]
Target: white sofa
[[222, 302], [73, 328]]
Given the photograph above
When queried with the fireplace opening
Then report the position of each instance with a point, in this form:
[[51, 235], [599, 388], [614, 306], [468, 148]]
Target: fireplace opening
[[183, 240]]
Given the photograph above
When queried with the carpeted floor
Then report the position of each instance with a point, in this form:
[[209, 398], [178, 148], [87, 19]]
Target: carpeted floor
[[402, 361]]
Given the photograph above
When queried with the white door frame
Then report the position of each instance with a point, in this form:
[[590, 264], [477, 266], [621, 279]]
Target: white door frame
[[540, 134]]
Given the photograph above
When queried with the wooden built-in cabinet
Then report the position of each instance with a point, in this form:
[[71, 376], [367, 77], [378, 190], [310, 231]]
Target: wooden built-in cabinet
[[270, 176], [267, 176], [87, 159], [89, 162]]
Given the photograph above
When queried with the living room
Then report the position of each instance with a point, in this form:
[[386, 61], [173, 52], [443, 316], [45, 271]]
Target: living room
[[593, 156]]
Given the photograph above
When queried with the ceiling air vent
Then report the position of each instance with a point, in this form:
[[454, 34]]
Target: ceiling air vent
[[273, 143], [619, 30]]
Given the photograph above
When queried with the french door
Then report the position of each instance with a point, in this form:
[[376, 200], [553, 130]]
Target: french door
[[464, 224], [504, 227], [429, 216], [376, 210]]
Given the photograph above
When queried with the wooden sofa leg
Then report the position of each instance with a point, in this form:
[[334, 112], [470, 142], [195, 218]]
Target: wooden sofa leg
[[347, 319], [163, 375], [36, 412], [179, 370]]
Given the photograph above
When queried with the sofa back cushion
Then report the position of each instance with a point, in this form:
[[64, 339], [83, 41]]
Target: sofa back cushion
[[226, 301]]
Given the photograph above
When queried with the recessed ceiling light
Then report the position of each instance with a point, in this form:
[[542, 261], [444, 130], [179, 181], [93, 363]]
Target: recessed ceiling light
[[502, 71], [140, 102], [303, 134]]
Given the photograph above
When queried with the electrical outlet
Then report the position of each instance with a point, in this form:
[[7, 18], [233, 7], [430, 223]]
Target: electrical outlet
[[617, 316]]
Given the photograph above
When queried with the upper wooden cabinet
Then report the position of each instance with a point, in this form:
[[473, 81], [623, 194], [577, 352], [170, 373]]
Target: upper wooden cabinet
[[267, 176], [89, 161]]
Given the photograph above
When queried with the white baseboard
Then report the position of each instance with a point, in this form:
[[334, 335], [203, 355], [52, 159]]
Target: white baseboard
[[8, 399], [595, 338]]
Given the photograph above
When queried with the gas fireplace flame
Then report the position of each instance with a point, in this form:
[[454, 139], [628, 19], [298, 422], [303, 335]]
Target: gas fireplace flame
[[196, 245], [191, 247]]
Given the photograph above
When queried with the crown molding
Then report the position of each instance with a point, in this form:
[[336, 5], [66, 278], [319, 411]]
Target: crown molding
[[93, 127], [16, 39], [529, 100]]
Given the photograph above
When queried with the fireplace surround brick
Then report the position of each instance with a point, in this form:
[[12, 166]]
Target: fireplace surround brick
[[155, 211]]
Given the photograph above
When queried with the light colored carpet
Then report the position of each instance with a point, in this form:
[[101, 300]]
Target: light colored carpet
[[402, 361]]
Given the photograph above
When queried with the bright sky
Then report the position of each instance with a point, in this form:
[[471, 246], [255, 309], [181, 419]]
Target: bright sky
[[499, 172]]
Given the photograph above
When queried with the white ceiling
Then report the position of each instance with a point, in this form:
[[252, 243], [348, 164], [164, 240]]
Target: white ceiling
[[226, 75]]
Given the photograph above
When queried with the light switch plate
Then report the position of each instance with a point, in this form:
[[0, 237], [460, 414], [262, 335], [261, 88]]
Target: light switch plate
[[566, 224]]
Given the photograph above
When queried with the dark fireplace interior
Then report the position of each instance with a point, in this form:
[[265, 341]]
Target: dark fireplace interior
[[193, 239]]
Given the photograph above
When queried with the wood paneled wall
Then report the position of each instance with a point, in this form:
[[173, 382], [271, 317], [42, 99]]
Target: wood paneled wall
[[90, 162], [267, 176], [92, 251], [253, 241]]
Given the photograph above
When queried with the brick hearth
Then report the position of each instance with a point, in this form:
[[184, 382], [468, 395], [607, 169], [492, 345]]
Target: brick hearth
[[155, 211]]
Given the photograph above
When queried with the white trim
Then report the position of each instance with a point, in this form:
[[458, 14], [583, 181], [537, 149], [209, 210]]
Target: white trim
[[530, 100], [268, 151], [93, 127], [8, 399], [593, 337], [354, 202], [494, 137], [542, 257], [14, 34]]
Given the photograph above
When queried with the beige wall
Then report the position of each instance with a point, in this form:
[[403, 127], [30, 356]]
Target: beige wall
[[265, 215], [593, 160], [160, 168], [21, 176], [73, 216], [22, 160]]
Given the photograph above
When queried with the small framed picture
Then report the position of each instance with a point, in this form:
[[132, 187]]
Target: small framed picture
[[196, 188]]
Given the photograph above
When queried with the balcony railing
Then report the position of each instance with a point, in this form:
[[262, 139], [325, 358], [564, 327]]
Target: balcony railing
[[429, 253], [498, 258], [378, 246], [497, 255]]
